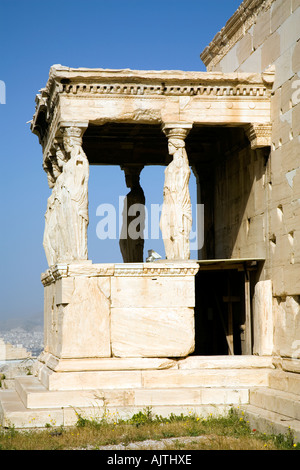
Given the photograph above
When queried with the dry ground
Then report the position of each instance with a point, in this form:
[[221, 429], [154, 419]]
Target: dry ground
[[146, 432]]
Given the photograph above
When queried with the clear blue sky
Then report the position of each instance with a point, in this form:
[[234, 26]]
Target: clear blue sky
[[34, 34]]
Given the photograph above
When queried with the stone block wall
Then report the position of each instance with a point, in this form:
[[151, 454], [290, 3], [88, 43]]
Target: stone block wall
[[264, 34], [128, 310], [240, 199]]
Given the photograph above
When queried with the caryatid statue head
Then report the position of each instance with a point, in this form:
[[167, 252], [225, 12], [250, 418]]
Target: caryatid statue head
[[176, 139], [175, 144], [132, 175], [72, 139]]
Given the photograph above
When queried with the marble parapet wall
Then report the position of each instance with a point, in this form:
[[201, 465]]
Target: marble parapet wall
[[120, 310]]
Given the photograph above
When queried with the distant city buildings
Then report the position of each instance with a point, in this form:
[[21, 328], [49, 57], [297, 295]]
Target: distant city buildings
[[18, 343]]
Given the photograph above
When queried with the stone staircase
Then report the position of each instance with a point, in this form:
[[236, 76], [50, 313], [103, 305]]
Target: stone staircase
[[267, 397], [196, 384], [275, 409]]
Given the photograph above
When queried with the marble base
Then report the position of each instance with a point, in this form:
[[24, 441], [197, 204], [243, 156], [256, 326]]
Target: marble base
[[117, 388], [120, 310]]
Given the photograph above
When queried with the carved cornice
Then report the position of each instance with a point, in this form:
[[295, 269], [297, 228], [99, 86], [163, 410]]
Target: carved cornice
[[128, 84], [259, 135], [235, 28], [59, 271], [217, 91], [219, 85], [157, 269], [54, 273], [172, 270]]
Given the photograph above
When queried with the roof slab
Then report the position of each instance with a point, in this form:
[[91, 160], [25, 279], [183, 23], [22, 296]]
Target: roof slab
[[123, 111]]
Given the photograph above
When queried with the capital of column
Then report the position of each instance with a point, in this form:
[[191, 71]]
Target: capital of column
[[259, 135], [132, 168], [177, 130], [73, 130]]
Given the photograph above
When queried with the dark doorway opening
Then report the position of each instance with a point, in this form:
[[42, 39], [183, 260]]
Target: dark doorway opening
[[219, 312]]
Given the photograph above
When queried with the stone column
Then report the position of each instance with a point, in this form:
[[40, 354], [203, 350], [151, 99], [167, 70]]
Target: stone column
[[176, 217], [66, 219], [132, 233]]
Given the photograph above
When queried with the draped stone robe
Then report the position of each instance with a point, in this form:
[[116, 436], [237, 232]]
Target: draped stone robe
[[176, 218]]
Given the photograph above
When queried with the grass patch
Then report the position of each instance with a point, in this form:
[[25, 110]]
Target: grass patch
[[212, 433]]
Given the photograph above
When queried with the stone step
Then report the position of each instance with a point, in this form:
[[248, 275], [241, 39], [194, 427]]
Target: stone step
[[34, 395], [148, 363], [167, 378], [278, 401], [206, 378], [225, 362], [269, 422], [285, 381], [14, 413], [202, 385]]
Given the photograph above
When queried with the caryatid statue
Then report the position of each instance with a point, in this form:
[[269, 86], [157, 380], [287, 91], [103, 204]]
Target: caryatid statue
[[50, 239], [176, 217], [132, 232], [65, 236]]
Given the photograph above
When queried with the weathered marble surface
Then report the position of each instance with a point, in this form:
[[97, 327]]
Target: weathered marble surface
[[66, 218], [265, 38], [125, 310], [263, 323], [150, 332], [149, 97], [176, 217]]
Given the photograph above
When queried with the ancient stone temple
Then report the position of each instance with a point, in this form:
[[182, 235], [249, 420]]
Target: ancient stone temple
[[176, 333], [132, 119]]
